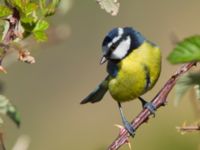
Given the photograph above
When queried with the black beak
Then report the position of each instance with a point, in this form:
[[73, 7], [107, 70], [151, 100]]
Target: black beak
[[103, 60]]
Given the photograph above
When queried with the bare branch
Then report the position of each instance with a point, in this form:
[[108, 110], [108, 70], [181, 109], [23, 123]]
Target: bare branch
[[11, 33], [2, 146], [23, 143], [13, 21], [189, 128], [159, 100]]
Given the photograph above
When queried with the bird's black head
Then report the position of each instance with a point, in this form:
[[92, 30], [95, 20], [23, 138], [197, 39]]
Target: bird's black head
[[119, 42]]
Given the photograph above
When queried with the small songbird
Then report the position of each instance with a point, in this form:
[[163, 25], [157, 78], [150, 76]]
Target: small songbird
[[133, 66]]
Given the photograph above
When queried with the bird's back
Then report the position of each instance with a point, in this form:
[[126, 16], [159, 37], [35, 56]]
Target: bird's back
[[137, 73]]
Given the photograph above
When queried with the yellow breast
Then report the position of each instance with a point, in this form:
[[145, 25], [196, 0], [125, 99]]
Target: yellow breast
[[138, 72]]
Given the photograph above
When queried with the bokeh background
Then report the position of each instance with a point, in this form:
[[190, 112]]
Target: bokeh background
[[48, 93]]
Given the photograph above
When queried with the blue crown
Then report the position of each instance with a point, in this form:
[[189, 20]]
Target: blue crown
[[136, 37]]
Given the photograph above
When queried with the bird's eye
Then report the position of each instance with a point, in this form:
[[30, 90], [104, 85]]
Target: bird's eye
[[113, 47]]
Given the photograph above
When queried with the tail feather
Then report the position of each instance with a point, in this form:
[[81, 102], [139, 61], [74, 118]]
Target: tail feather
[[98, 93]]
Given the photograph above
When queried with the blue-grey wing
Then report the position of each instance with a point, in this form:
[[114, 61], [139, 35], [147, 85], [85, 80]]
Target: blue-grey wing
[[98, 93]]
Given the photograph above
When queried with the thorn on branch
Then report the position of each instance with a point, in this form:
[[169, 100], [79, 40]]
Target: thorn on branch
[[129, 144]]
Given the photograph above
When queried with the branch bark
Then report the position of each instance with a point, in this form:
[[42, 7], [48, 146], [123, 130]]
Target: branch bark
[[159, 100], [13, 21], [2, 146], [11, 33], [189, 128]]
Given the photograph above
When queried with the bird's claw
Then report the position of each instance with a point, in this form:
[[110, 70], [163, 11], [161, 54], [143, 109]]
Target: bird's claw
[[151, 107], [129, 128]]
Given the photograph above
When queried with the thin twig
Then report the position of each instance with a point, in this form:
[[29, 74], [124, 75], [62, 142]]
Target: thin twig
[[2, 146], [23, 143], [13, 21], [159, 100], [189, 128], [11, 34]]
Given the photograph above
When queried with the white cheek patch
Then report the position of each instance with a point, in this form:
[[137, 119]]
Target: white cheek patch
[[116, 39], [122, 49], [109, 44]]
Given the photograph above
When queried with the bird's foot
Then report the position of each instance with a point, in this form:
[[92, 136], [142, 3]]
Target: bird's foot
[[151, 107], [148, 105], [129, 128]]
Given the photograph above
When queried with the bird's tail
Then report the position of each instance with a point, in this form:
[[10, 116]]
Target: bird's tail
[[98, 93]]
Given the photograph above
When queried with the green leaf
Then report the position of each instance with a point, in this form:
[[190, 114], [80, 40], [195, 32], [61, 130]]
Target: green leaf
[[41, 26], [28, 26], [49, 8], [2, 27], [37, 29], [110, 6], [25, 7], [14, 114], [187, 50], [30, 8], [7, 108], [42, 3], [4, 11], [28, 19], [185, 83], [16, 3], [40, 36]]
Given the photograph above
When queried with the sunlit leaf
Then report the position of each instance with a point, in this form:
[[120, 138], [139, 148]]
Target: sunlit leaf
[[28, 19], [25, 7], [110, 6], [40, 36], [187, 50], [185, 83], [16, 3], [4, 11], [7, 108], [30, 8], [41, 26], [42, 3], [49, 7], [37, 29]]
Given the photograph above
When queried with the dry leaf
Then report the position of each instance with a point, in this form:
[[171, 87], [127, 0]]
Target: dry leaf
[[110, 6]]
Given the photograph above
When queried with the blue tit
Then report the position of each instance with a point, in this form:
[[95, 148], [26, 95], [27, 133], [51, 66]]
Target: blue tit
[[133, 67]]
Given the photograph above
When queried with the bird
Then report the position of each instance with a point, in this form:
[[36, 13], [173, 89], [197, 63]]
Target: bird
[[133, 68]]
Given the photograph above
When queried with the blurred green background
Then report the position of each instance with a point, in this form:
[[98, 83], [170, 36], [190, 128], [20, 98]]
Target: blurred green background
[[48, 92]]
